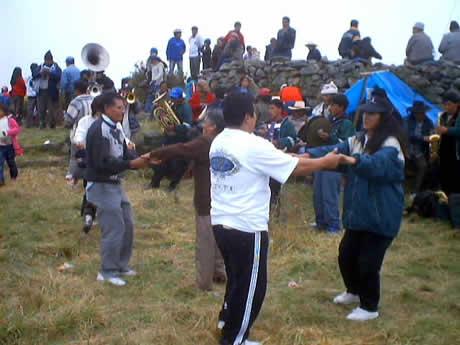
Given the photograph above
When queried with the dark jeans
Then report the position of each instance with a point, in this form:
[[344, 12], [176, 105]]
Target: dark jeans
[[245, 258], [361, 256], [18, 108], [32, 111], [195, 67], [48, 108], [421, 166], [275, 197], [87, 208], [7, 155]]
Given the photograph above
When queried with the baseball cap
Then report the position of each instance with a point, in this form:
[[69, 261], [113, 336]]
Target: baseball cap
[[376, 105]]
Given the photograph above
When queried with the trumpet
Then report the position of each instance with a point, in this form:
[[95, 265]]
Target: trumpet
[[131, 97], [164, 112]]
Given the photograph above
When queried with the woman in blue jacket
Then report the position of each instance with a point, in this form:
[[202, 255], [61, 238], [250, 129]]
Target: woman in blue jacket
[[373, 204]]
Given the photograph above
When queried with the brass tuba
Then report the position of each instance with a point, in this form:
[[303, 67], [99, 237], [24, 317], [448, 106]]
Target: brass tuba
[[96, 58], [164, 113]]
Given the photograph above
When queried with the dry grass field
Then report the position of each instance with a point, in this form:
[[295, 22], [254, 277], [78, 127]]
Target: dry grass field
[[40, 229]]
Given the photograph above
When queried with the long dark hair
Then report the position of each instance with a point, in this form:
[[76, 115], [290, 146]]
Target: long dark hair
[[388, 127], [17, 73]]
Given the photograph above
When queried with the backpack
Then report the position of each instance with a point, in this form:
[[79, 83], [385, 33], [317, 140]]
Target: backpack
[[425, 204]]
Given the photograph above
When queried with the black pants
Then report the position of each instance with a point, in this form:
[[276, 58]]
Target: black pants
[[275, 197], [245, 258], [8, 155], [173, 169], [87, 208], [361, 256]]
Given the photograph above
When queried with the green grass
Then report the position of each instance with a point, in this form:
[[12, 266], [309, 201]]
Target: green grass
[[40, 229]]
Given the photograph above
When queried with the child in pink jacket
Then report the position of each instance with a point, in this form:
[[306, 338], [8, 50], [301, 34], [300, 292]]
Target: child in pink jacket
[[9, 144]]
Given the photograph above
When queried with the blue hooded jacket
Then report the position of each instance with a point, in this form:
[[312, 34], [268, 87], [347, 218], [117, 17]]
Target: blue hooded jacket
[[374, 195], [176, 47]]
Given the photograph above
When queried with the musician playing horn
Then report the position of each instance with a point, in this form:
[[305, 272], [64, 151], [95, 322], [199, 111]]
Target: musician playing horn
[[174, 134]]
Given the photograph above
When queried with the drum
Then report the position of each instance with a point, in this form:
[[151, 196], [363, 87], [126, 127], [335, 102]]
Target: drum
[[315, 126]]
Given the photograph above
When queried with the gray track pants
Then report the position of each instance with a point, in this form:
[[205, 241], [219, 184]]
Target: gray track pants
[[117, 226]]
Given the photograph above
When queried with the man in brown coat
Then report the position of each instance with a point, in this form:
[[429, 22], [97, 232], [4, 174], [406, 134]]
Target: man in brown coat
[[209, 263]]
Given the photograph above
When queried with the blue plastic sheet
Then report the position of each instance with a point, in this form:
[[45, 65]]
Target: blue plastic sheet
[[399, 93]]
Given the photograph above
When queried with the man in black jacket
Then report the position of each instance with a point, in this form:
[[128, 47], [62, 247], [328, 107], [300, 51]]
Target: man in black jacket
[[107, 159], [286, 40], [346, 43]]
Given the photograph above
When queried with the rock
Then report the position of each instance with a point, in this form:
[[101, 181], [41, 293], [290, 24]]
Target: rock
[[310, 69], [456, 83], [260, 73]]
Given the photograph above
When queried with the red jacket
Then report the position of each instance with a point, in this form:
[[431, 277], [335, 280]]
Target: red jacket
[[19, 89], [291, 94], [197, 107], [230, 35]]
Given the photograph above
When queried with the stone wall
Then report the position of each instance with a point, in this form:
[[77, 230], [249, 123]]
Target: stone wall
[[430, 81]]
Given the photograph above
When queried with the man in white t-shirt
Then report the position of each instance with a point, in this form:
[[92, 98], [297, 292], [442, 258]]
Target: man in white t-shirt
[[195, 44], [241, 167]]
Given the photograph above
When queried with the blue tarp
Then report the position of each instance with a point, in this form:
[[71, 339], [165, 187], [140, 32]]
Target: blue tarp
[[399, 93]]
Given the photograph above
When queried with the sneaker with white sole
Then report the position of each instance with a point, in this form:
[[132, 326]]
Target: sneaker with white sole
[[129, 273], [346, 298], [220, 324], [113, 280], [248, 342], [359, 314]]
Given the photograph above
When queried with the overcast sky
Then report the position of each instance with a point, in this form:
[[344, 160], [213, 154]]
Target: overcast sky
[[128, 29]]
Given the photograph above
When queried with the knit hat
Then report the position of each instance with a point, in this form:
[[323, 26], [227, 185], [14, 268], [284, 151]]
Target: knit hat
[[329, 89], [419, 25], [48, 55]]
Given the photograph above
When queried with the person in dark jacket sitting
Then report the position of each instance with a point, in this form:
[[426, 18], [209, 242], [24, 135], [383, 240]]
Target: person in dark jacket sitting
[[419, 128], [363, 51], [313, 52], [350, 36], [373, 204]]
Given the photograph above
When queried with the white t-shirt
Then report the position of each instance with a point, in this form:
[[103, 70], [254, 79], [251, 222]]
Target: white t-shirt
[[241, 166], [195, 43]]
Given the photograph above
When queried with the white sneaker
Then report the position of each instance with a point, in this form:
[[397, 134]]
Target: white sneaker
[[359, 314], [248, 342], [346, 298], [220, 324], [129, 273], [114, 280]]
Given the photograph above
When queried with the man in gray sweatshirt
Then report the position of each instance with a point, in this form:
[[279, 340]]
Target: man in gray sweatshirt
[[450, 44], [107, 158], [419, 48]]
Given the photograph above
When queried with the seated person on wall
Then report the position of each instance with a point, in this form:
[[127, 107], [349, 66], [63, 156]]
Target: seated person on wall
[[419, 127], [174, 134], [419, 49], [363, 51]]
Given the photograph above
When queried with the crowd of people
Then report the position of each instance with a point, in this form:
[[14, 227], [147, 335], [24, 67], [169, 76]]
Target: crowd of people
[[245, 144]]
